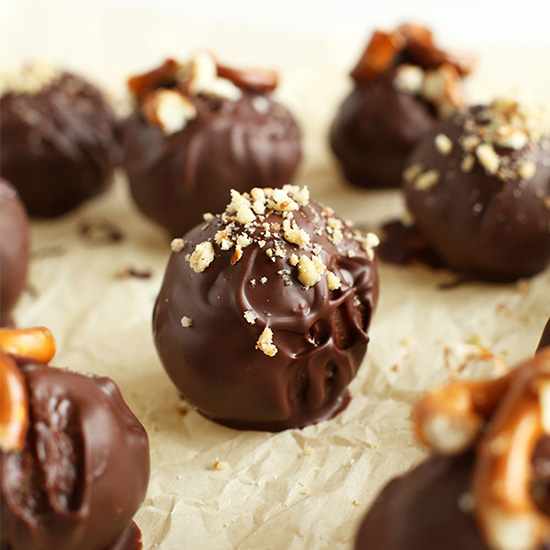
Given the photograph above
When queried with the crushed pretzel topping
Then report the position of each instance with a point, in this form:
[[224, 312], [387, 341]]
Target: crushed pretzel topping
[[186, 322], [293, 234], [250, 316], [177, 245], [32, 78], [443, 144], [427, 180], [488, 158], [265, 343], [202, 257], [333, 281], [310, 270], [169, 110]]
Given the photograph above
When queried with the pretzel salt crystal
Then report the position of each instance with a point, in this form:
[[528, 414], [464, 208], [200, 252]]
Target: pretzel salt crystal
[[503, 471], [449, 418], [35, 343]]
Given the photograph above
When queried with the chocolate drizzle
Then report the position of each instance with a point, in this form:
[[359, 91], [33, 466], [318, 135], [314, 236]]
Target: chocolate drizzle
[[320, 335], [83, 472]]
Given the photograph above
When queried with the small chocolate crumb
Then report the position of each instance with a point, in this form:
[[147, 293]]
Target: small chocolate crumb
[[100, 232]]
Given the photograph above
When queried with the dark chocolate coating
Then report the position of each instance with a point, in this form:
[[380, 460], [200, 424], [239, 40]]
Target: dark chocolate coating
[[59, 145], [84, 470], [375, 129], [508, 237], [14, 250], [176, 178], [545, 338], [321, 334], [420, 510]]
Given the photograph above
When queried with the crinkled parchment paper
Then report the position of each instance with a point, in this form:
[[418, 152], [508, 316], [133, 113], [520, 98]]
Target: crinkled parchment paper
[[213, 487]]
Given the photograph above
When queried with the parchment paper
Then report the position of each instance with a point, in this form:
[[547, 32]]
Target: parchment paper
[[301, 488]]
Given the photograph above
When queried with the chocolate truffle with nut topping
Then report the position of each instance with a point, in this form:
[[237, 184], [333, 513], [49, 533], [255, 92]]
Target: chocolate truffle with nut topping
[[486, 487], [200, 129], [262, 319], [403, 84], [14, 250], [478, 188], [74, 460], [58, 137]]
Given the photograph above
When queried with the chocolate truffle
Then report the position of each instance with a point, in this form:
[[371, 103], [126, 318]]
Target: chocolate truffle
[[262, 318], [82, 468], [403, 85], [545, 338], [470, 497], [58, 137], [199, 130], [478, 187], [14, 250]]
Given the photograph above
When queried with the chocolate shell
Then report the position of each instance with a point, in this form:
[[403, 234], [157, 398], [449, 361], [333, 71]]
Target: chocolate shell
[[14, 250], [478, 187], [262, 318], [232, 140], [430, 507], [58, 137], [83, 472], [403, 85]]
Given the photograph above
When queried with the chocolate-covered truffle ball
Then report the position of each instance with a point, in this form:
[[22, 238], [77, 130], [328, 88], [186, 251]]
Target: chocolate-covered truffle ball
[[82, 469], [58, 137], [545, 338], [262, 318], [431, 507], [478, 187], [486, 488], [403, 84], [199, 130], [14, 250]]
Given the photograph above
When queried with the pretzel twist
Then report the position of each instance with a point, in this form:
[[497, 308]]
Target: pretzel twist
[[35, 343], [14, 409], [516, 409]]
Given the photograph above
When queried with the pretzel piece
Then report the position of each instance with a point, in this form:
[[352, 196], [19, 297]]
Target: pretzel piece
[[35, 343], [14, 406], [506, 513], [449, 418]]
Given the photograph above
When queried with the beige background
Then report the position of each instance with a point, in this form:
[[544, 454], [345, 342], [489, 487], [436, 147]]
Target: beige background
[[297, 489]]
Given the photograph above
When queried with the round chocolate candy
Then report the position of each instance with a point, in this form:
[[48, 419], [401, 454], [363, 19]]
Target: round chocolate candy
[[200, 130], [478, 187], [545, 338], [262, 318], [403, 84], [14, 250], [58, 137], [83, 471], [430, 507]]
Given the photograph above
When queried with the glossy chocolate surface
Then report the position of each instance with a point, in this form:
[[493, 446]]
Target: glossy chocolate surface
[[83, 472], [320, 334], [58, 144], [376, 128], [545, 338], [230, 144], [482, 225], [14, 250], [427, 508]]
